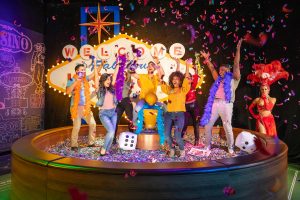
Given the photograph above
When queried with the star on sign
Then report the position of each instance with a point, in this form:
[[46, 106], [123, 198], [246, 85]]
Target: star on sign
[[99, 24]]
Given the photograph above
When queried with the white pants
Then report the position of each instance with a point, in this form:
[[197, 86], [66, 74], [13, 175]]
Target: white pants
[[77, 124], [224, 110]]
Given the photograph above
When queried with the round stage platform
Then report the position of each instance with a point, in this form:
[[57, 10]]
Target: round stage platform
[[39, 175]]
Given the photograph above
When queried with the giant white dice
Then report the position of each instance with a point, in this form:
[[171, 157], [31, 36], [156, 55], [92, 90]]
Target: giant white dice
[[127, 140], [245, 141]]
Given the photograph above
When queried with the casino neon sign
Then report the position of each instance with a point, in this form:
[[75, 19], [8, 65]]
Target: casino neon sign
[[14, 41]]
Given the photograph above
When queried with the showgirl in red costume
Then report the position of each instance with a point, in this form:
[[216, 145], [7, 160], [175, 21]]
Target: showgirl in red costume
[[265, 122], [265, 75]]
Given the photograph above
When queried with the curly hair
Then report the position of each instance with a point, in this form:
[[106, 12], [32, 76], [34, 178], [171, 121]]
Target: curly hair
[[177, 74], [103, 78]]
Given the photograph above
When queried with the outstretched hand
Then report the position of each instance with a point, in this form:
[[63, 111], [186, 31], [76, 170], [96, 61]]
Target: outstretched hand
[[205, 55], [239, 44], [189, 61], [155, 58]]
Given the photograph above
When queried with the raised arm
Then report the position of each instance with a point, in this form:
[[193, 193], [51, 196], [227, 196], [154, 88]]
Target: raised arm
[[236, 64], [160, 70], [93, 75], [188, 64], [209, 64], [96, 74], [115, 74], [177, 63], [135, 75]]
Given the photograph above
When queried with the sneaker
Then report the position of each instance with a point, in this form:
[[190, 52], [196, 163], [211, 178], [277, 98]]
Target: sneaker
[[182, 153], [102, 152], [91, 145], [74, 148], [172, 153], [230, 151], [207, 148]]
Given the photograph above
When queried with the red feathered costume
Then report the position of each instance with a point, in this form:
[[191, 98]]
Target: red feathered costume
[[266, 74]]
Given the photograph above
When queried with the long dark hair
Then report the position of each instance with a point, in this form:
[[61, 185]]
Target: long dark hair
[[103, 78], [179, 75]]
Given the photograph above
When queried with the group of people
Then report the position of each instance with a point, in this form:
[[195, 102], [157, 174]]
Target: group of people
[[181, 93]]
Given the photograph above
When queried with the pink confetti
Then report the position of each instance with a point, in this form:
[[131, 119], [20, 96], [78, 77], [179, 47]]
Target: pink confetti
[[146, 2], [15, 23], [182, 2], [295, 126], [132, 22], [217, 51], [247, 98], [229, 191], [66, 2], [132, 173], [72, 38], [162, 12], [192, 2], [285, 9], [126, 176], [146, 21], [222, 3]]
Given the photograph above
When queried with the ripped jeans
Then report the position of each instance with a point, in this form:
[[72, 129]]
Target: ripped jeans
[[108, 118], [222, 109]]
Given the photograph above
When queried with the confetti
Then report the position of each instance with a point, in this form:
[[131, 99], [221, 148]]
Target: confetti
[[219, 151], [229, 191]]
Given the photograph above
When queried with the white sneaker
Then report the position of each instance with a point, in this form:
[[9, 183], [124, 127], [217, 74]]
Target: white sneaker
[[207, 148], [230, 151], [172, 153]]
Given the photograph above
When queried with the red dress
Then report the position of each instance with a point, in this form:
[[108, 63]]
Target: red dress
[[191, 95], [268, 121]]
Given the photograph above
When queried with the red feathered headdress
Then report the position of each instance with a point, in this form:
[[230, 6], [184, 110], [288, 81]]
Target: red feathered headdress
[[267, 74]]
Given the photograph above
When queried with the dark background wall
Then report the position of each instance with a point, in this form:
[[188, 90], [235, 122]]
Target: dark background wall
[[18, 120], [59, 22]]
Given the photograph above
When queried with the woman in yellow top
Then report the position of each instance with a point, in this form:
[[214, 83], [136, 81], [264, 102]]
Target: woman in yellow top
[[176, 90]]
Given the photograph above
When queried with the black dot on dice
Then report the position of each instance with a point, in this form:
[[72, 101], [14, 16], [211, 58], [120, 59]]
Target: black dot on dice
[[246, 143], [132, 137], [127, 136], [125, 144], [132, 141], [126, 140], [131, 145], [244, 147]]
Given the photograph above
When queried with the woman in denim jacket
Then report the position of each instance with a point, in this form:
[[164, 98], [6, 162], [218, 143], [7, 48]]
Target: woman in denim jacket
[[107, 105]]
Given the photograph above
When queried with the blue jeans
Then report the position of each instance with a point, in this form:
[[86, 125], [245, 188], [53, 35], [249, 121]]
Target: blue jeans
[[108, 118], [178, 119]]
